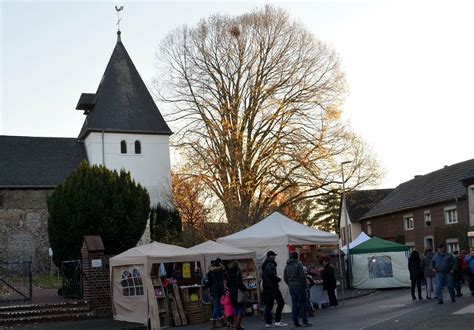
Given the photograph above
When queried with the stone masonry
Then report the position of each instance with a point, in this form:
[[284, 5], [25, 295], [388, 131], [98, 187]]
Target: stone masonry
[[24, 227]]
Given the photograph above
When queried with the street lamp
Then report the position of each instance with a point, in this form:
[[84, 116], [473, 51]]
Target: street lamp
[[346, 225]]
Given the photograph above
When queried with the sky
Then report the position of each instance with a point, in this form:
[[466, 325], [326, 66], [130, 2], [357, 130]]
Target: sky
[[409, 67]]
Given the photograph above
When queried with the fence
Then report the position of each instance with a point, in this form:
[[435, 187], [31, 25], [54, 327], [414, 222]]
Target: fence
[[16, 282], [71, 272]]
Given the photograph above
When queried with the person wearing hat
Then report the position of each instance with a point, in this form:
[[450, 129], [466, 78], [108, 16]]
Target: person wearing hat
[[271, 291], [442, 264], [296, 280], [469, 259], [428, 272]]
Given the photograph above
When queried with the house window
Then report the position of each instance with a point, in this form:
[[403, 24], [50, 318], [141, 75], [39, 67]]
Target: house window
[[1, 198], [123, 147], [427, 216], [369, 228], [452, 244], [132, 283], [411, 246], [409, 222], [138, 147], [429, 242], [450, 215]]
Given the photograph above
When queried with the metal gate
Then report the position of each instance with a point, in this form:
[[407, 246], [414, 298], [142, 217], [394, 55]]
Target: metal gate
[[16, 282], [71, 272]]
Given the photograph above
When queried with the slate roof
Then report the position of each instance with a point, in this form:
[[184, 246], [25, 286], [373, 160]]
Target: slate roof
[[122, 102], [40, 162], [439, 186], [359, 202]]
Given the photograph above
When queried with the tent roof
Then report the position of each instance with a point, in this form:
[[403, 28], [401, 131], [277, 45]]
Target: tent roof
[[154, 252], [276, 229], [211, 247], [377, 244], [363, 237]]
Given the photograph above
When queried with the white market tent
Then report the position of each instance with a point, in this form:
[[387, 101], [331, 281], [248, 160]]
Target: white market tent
[[136, 263], [275, 233], [378, 263], [212, 250], [359, 240]]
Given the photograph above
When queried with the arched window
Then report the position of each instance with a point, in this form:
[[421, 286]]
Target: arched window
[[123, 147], [138, 147]]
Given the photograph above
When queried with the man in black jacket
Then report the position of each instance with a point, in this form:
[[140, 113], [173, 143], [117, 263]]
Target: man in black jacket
[[271, 291]]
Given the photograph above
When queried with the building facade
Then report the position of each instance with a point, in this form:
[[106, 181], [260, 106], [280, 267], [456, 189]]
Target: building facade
[[428, 210], [123, 129]]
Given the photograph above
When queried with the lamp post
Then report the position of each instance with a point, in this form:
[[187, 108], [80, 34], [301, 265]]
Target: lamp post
[[346, 225]]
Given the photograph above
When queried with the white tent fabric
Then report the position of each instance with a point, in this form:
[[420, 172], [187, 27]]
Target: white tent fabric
[[275, 233], [212, 250], [359, 240], [138, 261], [362, 278]]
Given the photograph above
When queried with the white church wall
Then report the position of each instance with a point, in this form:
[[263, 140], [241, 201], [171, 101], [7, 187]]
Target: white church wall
[[151, 168]]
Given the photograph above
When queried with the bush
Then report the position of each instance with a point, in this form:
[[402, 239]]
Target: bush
[[96, 201], [165, 225]]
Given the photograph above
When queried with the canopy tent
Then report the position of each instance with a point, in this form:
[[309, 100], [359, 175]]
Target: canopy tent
[[212, 250], [275, 233], [363, 237], [378, 263], [133, 298]]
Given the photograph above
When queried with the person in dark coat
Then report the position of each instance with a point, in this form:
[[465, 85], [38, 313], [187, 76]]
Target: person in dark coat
[[234, 283], [416, 273], [457, 274], [328, 276], [271, 291], [428, 272], [216, 290]]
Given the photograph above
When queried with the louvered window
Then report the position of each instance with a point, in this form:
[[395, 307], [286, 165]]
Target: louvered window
[[138, 147]]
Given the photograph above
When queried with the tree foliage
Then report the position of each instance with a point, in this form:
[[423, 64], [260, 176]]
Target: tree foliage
[[96, 201], [257, 99], [165, 225]]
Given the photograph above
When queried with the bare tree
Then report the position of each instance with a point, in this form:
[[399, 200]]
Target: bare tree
[[257, 99]]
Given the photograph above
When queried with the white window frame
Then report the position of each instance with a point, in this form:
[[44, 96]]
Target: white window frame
[[427, 217], [449, 219], [432, 246], [405, 222], [452, 244], [411, 246]]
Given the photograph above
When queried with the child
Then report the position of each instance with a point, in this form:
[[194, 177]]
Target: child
[[228, 308]]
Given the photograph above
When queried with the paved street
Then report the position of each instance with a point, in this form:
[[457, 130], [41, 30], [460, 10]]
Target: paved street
[[389, 309]]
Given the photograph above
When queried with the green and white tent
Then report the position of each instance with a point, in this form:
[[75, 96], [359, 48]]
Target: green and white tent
[[378, 263]]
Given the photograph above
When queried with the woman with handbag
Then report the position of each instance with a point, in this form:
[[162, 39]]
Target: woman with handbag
[[238, 294]]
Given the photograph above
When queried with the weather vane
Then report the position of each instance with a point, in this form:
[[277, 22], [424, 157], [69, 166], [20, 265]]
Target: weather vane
[[118, 9]]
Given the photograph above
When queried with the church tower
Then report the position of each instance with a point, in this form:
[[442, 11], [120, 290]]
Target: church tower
[[124, 129]]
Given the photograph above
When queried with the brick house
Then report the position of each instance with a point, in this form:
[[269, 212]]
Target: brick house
[[434, 208]]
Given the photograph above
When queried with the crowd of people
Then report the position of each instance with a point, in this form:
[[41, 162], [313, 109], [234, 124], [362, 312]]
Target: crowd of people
[[227, 290], [436, 270]]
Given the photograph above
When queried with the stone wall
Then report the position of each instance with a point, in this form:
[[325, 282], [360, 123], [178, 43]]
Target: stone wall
[[24, 227]]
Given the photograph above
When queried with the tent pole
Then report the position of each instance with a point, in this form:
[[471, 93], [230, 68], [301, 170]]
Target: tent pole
[[341, 276]]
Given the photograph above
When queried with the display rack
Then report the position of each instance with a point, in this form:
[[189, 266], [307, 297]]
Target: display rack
[[251, 280], [162, 302]]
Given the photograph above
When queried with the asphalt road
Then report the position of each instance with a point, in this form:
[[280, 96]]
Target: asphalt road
[[389, 309]]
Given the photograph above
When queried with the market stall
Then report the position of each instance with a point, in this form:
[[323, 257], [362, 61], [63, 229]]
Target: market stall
[[212, 250], [280, 234], [157, 283], [378, 263]]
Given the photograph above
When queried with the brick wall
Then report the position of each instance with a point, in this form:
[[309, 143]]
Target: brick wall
[[389, 226], [96, 281], [24, 227]]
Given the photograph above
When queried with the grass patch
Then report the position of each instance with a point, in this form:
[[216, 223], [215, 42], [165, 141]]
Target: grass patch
[[47, 282]]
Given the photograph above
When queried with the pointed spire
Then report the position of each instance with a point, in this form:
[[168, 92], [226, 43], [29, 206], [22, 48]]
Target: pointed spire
[[118, 36]]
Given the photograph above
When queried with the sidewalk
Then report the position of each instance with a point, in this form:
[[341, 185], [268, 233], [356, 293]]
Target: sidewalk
[[354, 293]]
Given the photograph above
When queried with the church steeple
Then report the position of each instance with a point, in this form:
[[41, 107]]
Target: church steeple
[[122, 102]]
